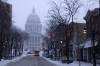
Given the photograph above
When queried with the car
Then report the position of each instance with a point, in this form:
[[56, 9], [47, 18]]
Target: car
[[36, 53], [29, 53]]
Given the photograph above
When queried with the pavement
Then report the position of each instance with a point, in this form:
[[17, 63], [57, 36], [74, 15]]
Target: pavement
[[31, 61]]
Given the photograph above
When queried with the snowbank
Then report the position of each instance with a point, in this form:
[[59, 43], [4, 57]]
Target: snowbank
[[5, 62], [75, 63]]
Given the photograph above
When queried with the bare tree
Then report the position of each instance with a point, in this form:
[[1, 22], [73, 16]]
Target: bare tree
[[63, 13], [71, 8], [55, 14]]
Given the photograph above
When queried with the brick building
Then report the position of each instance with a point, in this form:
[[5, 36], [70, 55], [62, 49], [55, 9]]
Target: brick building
[[5, 24], [93, 26]]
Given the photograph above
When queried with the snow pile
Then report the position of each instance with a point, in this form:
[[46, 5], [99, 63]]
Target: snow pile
[[18, 58], [5, 62], [75, 63]]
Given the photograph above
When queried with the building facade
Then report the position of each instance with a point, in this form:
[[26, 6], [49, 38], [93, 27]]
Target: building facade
[[59, 47], [33, 27], [93, 29], [5, 25], [77, 37]]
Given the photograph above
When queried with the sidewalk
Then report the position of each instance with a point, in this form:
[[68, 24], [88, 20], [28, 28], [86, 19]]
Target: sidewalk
[[5, 62], [75, 63]]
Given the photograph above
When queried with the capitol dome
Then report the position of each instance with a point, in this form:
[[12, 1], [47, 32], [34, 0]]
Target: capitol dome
[[33, 27], [33, 24], [33, 18]]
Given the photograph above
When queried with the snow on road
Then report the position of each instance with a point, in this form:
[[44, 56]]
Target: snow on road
[[58, 63]]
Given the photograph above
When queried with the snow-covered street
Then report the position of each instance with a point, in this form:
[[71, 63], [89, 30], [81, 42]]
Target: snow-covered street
[[31, 61], [27, 60], [49, 33]]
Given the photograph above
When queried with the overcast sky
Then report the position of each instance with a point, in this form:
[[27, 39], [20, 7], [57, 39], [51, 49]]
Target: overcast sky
[[23, 8]]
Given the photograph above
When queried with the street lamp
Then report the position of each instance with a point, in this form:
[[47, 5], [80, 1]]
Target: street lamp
[[61, 42], [93, 47], [93, 33], [84, 31]]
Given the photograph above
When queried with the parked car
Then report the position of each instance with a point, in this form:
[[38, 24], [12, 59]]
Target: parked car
[[29, 52]]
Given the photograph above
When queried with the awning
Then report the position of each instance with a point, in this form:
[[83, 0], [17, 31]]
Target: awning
[[89, 44]]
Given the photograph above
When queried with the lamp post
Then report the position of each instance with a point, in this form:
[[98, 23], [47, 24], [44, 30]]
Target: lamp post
[[93, 45], [63, 51], [84, 32], [61, 42], [93, 33], [61, 47], [93, 48]]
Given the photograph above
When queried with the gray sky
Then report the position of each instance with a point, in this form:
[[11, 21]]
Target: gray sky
[[23, 8]]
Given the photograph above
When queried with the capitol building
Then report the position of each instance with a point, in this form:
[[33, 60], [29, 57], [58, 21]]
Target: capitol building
[[33, 27]]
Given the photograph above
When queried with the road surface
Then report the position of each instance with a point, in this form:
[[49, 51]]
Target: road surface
[[31, 61]]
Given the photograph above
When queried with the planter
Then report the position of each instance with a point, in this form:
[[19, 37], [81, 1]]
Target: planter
[[64, 59]]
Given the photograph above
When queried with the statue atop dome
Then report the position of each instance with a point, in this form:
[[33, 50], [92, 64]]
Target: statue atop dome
[[33, 11]]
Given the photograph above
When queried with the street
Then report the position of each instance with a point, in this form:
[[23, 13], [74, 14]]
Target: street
[[31, 61], [63, 33]]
